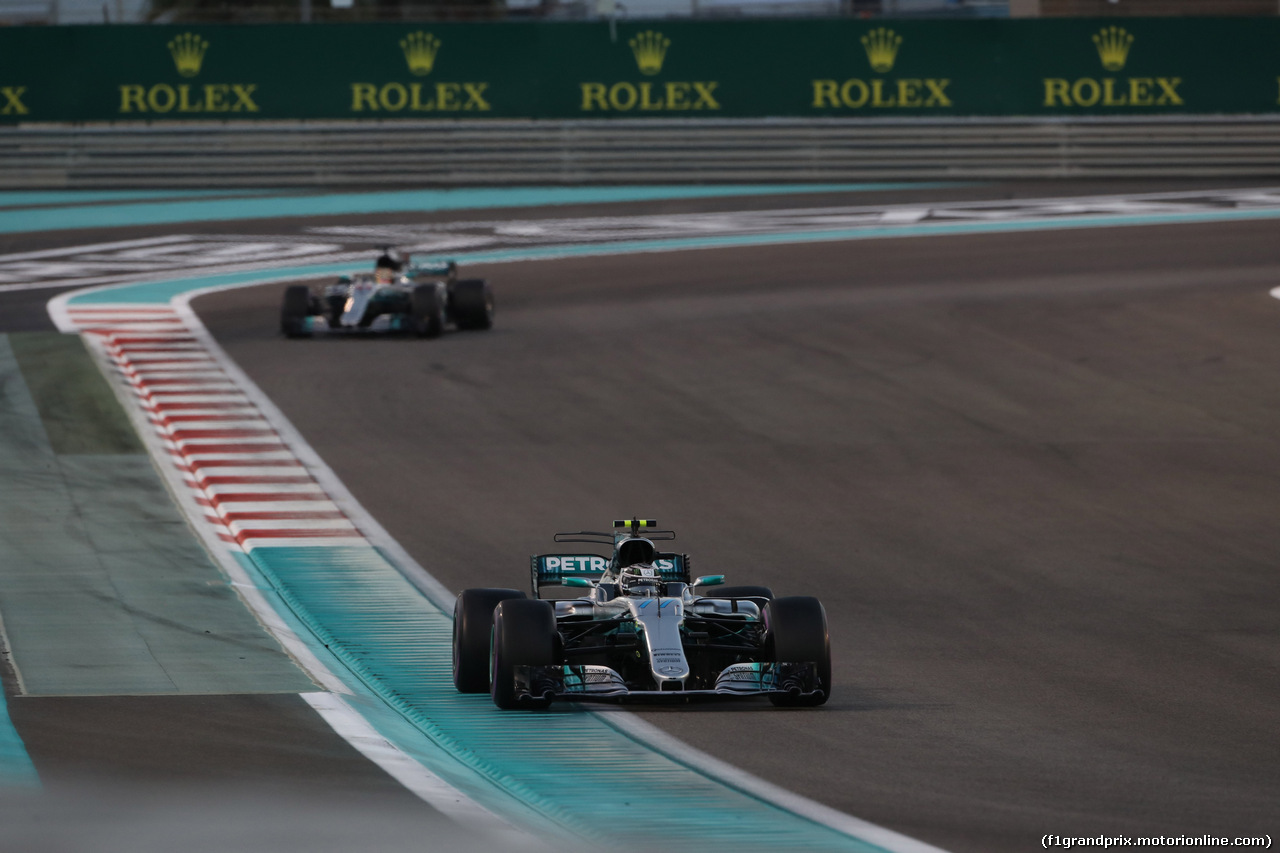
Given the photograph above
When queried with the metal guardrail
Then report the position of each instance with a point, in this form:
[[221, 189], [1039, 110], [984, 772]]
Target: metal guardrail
[[477, 153]]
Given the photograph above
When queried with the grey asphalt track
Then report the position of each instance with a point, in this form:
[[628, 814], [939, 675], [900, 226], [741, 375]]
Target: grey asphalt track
[[1033, 477]]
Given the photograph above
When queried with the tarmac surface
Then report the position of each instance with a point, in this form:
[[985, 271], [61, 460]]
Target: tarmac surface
[[1032, 477]]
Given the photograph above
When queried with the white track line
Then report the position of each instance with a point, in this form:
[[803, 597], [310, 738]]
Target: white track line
[[428, 787]]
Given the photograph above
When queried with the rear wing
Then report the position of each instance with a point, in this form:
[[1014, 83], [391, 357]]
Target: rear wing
[[552, 569], [431, 266]]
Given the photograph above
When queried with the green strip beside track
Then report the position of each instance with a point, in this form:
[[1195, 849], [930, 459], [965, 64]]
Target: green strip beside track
[[79, 411], [104, 589]]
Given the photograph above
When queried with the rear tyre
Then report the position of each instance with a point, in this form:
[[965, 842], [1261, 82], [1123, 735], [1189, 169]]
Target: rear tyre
[[294, 312], [739, 592], [427, 309], [524, 634], [472, 625], [796, 631], [473, 304]]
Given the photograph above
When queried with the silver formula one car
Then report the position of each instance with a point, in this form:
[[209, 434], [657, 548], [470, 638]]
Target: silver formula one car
[[399, 296], [641, 630]]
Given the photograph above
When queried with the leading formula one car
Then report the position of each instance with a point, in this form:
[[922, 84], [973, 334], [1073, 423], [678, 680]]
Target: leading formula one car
[[399, 296], [641, 630]]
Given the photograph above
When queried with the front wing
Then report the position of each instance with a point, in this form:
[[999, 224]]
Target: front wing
[[318, 324], [587, 683]]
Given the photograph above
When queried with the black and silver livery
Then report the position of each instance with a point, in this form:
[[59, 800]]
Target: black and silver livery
[[642, 629], [400, 295]]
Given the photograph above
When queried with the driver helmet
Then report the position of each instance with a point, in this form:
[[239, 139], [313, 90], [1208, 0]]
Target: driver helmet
[[636, 550], [636, 572], [388, 266]]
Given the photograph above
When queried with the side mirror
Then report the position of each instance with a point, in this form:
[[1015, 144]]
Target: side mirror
[[576, 582], [709, 580]]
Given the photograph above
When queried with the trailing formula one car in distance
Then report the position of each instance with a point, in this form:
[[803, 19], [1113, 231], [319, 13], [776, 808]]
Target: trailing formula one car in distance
[[642, 630], [399, 296]]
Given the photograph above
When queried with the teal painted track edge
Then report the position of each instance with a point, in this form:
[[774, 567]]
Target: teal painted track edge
[[360, 677], [16, 768], [297, 575], [215, 209], [381, 714], [163, 291], [59, 198]]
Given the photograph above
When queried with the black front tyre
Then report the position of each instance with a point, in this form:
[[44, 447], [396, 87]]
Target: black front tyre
[[472, 304], [524, 634], [796, 632], [427, 308], [296, 309], [472, 625]]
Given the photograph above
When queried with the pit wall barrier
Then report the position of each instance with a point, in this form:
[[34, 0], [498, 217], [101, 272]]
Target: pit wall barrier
[[678, 69]]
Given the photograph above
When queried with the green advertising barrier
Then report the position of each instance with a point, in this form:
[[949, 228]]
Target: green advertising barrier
[[667, 68]]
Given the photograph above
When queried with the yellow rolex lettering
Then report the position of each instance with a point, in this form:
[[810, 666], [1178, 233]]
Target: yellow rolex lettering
[[475, 96], [1168, 91], [622, 96], [13, 105], [243, 93], [131, 98], [447, 96], [937, 93], [877, 95], [161, 98], [646, 96], [1140, 91], [13, 101], [415, 100], [1057, 92], [846, 93], [909, 93], [184, 100], [215, 97], [1109, 98], [646, 103], [825, 93], [705, 98], [677, 96], [393, 97], [1086, 92], [363, 95], [593, 96]]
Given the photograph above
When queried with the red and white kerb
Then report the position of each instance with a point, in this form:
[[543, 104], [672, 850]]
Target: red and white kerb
[[255, 491]]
